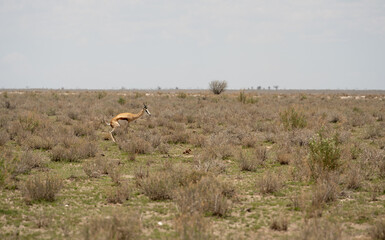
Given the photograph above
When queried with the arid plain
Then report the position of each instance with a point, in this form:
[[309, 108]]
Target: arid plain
[[238, 165]]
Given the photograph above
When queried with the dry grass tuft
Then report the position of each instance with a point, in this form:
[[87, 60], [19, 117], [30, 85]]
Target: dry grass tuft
[[325, 191], [193, 227], [317, 229], [73, 151], [279, 223], [119, 194], [269, 183], [115, 174], [377, 232], [158, 185], [248, 163], [118, 226], [207, 196], [99, 166], [353, 178], [28, 160], [4, 137], [136, 145]]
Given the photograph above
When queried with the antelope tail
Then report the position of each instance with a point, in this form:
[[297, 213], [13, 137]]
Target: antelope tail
[[109, 124]]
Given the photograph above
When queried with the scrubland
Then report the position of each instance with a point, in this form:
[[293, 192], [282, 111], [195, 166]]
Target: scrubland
[[239, 165]]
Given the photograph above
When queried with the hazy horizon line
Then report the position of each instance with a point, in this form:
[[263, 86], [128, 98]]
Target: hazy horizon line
[[191, 89]]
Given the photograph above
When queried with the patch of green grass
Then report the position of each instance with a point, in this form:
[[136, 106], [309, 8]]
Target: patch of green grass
[[10, 212]]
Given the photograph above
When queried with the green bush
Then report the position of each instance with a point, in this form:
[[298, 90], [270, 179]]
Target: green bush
[[324, 154], [242, 97], [121, 101], [291, 119], [182, 95]]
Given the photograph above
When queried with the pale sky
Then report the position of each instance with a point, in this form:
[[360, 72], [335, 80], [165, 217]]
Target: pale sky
[[145, 44]]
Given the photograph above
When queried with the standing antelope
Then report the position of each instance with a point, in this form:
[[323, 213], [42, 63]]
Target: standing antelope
[[129, 117]]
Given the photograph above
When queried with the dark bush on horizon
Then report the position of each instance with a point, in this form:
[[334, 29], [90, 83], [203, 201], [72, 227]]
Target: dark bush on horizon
[[217, 87]]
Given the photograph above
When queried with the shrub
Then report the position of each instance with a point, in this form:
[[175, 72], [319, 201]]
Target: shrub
[[83, 129], [283, 158], [377, 232], [207, 196], [121, 101], [242, 97], [182, 95], [218, 147], [115, 174], [261, 154], [87, 150], [74, 151], [373, 132], [248, 163], [324, 155], [381, 167], [30, 122], [4, 137], [163, 148], [372, 161], [317, 229], [119, 194], [249, 141], [60, 153], [178, 136], [279, 223], [269, 183], [92, 169], [41, 187], [183, 175], [40, 142], [298, 201], [28, 160], [158, 186], [193, 226], [5, 171], [118, 226], [101, 94], [291, 119], [206, 162], [325, 191], [73, 115], [136, 145], [217, 87], [355, 151], [353, 177], [198, 140], [99, 166]]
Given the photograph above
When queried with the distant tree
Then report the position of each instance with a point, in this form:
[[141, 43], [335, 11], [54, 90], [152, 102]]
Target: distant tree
[[217, 87], [276, 87], [259, 88]]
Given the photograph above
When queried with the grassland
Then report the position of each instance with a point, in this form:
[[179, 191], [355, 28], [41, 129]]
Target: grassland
[[239, 165]]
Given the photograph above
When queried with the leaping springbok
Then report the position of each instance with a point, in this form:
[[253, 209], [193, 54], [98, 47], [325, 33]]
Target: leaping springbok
[[129, 117]]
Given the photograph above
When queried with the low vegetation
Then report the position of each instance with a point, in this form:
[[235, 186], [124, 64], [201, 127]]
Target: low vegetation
[[215, 164]]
